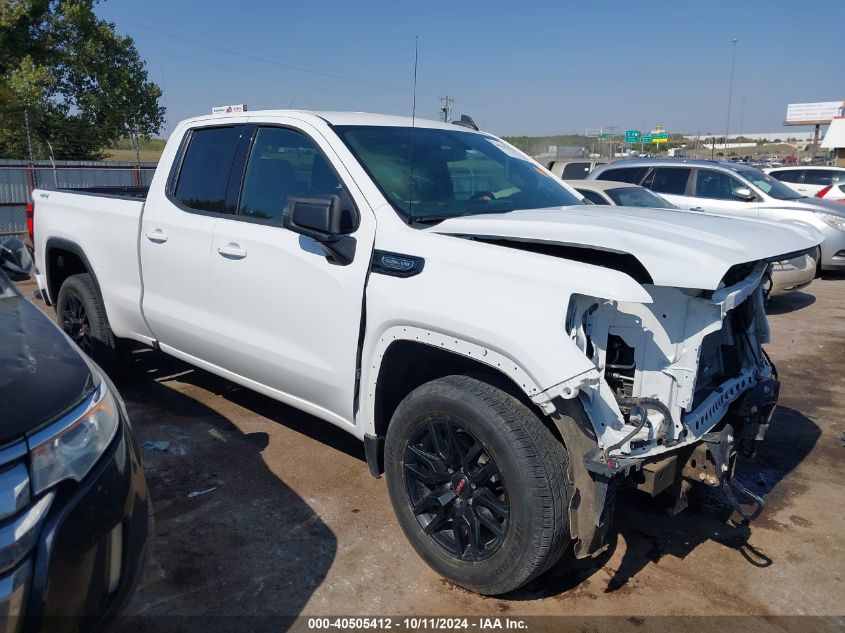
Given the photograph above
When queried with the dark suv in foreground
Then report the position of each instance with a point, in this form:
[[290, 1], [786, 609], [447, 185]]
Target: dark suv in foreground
[[74, 510]]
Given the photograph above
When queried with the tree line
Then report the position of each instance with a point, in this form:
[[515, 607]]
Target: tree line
[[70, 85]]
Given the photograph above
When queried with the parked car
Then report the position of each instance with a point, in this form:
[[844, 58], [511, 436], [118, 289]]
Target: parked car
[[811, 181], [608, 192], [574, 169], [500, 348], [74, 510], [792, 274], [834, 192], [736, 190]]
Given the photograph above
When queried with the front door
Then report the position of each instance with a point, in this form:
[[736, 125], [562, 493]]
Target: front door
[[286, 317], [715, 193]]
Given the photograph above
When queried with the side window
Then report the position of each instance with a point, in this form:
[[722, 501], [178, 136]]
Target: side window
[[206, 169], [576, 171], [593, 197], [624, 174], [715, 185], [671, 180], [284, 163], [818, 177], [787, 175]]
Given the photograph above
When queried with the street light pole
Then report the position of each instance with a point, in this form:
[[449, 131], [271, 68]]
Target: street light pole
[[730, 91]]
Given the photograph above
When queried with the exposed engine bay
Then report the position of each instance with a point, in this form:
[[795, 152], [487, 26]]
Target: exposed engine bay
[[682, 384], [669, 371]]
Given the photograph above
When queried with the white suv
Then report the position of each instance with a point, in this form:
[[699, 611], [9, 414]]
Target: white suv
[[810, 181], [737, 190]]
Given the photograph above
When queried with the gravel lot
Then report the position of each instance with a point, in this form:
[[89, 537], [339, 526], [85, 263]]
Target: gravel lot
[[293, 524]]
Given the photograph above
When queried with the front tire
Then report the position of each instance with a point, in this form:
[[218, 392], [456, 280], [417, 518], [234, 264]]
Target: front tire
[[478, 484], [80, 313]]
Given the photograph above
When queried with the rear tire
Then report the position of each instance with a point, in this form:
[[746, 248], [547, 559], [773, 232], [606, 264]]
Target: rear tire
[[500, 517], [80, 313]]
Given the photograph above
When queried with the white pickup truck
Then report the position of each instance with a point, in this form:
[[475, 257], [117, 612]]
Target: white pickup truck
[[506, 355]]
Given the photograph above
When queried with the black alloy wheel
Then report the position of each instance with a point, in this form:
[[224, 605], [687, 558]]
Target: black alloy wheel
[[457, 491], [80, 313], [479, 484], [76, 324]]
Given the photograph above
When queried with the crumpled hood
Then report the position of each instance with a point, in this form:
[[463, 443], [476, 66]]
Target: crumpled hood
[[677, 248]]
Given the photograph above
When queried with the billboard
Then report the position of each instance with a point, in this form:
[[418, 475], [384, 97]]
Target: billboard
[[819, 113]]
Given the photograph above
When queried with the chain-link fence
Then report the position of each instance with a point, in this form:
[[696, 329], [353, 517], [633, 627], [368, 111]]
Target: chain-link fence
[[18, 179]]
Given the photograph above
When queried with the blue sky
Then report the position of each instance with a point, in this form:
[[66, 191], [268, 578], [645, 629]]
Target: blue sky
[[516, 67]]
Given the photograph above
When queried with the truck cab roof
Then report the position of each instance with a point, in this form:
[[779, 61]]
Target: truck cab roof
[[333, 118]]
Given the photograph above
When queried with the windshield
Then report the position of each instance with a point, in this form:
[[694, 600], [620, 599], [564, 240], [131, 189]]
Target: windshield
[[768, 184], [638, 197], [431, 173]]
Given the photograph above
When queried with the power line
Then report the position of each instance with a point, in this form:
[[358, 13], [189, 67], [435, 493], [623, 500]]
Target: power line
[[266, 60]]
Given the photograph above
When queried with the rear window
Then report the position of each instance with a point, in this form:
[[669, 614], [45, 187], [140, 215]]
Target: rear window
[[204, 175], [671, 180], [624, 174], [592, 196], [818, 177], [638, 197], [575, 171]]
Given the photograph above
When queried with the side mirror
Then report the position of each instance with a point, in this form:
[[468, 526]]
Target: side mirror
[[320, 218], [15, 259], [743, 193]]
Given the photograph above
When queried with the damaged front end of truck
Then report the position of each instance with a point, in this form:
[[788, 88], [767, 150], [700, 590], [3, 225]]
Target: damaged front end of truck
[[678, 383], [681, 386]]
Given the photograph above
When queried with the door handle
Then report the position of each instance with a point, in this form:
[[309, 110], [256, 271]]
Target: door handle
[[157, 237], [232, 251], [696, 208]]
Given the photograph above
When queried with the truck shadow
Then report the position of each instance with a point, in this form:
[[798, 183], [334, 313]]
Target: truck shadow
[[232, 539], [164, 366], [649, 533]]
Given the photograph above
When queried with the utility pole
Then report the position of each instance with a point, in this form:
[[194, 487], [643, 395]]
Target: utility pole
[[446, 108], [137, 149], [730, 91], [28, 136], [610, 149]]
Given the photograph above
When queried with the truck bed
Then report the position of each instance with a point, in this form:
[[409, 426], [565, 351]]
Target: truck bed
[[102, 223]]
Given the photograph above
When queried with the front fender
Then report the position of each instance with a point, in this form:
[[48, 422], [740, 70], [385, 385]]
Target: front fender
[[500, 306]]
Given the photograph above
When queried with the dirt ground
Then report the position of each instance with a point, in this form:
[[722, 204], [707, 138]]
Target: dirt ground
[[291, 523]]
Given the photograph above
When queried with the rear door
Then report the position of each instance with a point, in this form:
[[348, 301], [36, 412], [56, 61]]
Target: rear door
[[286, 317], [672, 183], [815, 180], [176, 232]]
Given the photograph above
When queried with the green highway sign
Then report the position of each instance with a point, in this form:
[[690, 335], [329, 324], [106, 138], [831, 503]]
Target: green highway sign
[[646, 138], [632, 136]]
